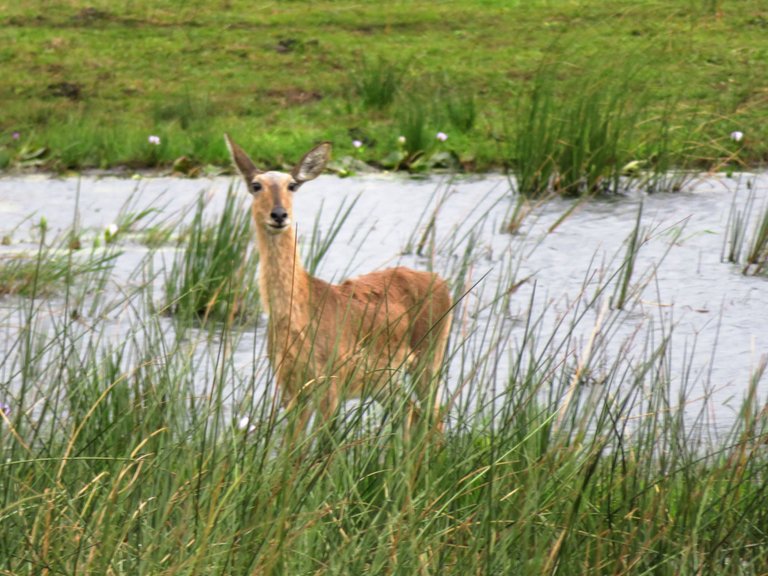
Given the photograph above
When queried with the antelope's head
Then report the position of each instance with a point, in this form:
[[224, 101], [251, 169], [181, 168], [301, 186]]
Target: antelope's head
[[272, 191]]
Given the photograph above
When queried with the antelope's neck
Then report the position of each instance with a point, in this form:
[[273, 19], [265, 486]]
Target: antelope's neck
[[283, 281]]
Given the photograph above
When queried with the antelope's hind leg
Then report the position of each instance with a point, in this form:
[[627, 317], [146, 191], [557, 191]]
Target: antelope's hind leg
[[297, 412], [427, 373]]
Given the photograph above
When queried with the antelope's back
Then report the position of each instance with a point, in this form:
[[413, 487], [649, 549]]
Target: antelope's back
[[403, 299]]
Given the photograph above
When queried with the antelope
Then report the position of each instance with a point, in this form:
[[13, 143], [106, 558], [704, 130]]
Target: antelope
[[331, 342]]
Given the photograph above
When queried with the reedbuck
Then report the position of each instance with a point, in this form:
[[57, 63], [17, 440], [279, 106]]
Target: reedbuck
[[329, 342]]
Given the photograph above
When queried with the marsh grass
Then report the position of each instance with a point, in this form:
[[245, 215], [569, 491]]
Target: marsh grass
[[634, 242], [533, 148], [588, 454], [186, 110], [84, 141], [462, 112], [213, 275], [663, 168], [413, 121], [377, 82], [578, 148], [589, 144], [590, 141], [53, 267], [736, 230], [757, 257], [459, 106], [419, 149], [319, 242], [746, 234]]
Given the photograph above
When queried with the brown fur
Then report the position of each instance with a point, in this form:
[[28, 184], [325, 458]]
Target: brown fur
[[331, 342]]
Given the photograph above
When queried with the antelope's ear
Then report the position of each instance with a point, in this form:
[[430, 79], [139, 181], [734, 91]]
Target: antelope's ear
[[313, 163], [242, 162]]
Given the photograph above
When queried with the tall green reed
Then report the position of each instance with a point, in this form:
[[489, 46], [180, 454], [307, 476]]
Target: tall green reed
[[633, 245], [319, 242], [377, 82], [582, 146], [459, 107], [128, 456], [746, 234], [54, 266], [535, 141], [213, 274], [757, 258], [413, 120]]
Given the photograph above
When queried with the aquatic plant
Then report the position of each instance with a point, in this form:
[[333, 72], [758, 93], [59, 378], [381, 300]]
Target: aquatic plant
[[54, 267], [534, 143], [578, 148], [747, 236], [634, 242], [213, 274], [746, 233], [413, 122], [757, 257]]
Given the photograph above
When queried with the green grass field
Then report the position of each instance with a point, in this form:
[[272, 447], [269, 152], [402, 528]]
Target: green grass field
[[662, 84]]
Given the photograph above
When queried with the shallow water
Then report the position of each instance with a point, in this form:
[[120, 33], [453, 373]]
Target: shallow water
[[717, 315]]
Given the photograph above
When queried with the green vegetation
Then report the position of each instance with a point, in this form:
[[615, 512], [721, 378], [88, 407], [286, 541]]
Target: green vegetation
[[214, 273], [164, 451], [55, 266], [746, 236], [570, 95], [377, 85], [758, 251]]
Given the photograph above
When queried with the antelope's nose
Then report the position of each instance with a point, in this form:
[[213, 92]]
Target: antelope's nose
[[278, 215]]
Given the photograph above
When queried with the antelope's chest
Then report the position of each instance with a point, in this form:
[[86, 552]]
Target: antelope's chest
[[286, 339], [311, 342]]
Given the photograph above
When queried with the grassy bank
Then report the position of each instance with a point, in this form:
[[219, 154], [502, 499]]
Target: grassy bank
[[133, 442], [574, 90]]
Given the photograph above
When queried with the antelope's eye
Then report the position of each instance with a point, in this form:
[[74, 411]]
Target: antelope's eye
[[255, 186], [293, 186]]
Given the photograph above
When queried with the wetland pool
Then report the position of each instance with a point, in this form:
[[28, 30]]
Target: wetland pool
[[548, 290]]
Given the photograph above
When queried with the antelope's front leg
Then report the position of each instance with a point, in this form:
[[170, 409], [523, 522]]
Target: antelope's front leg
[[329, 399], [297, 409]]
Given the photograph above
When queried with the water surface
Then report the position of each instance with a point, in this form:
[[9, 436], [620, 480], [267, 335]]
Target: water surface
[[717, 316]]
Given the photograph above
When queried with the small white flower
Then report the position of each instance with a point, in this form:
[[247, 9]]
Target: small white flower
[[442, 136], [737, 136], [357, 143], [154, 140], [245, 424], [401, 140]]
